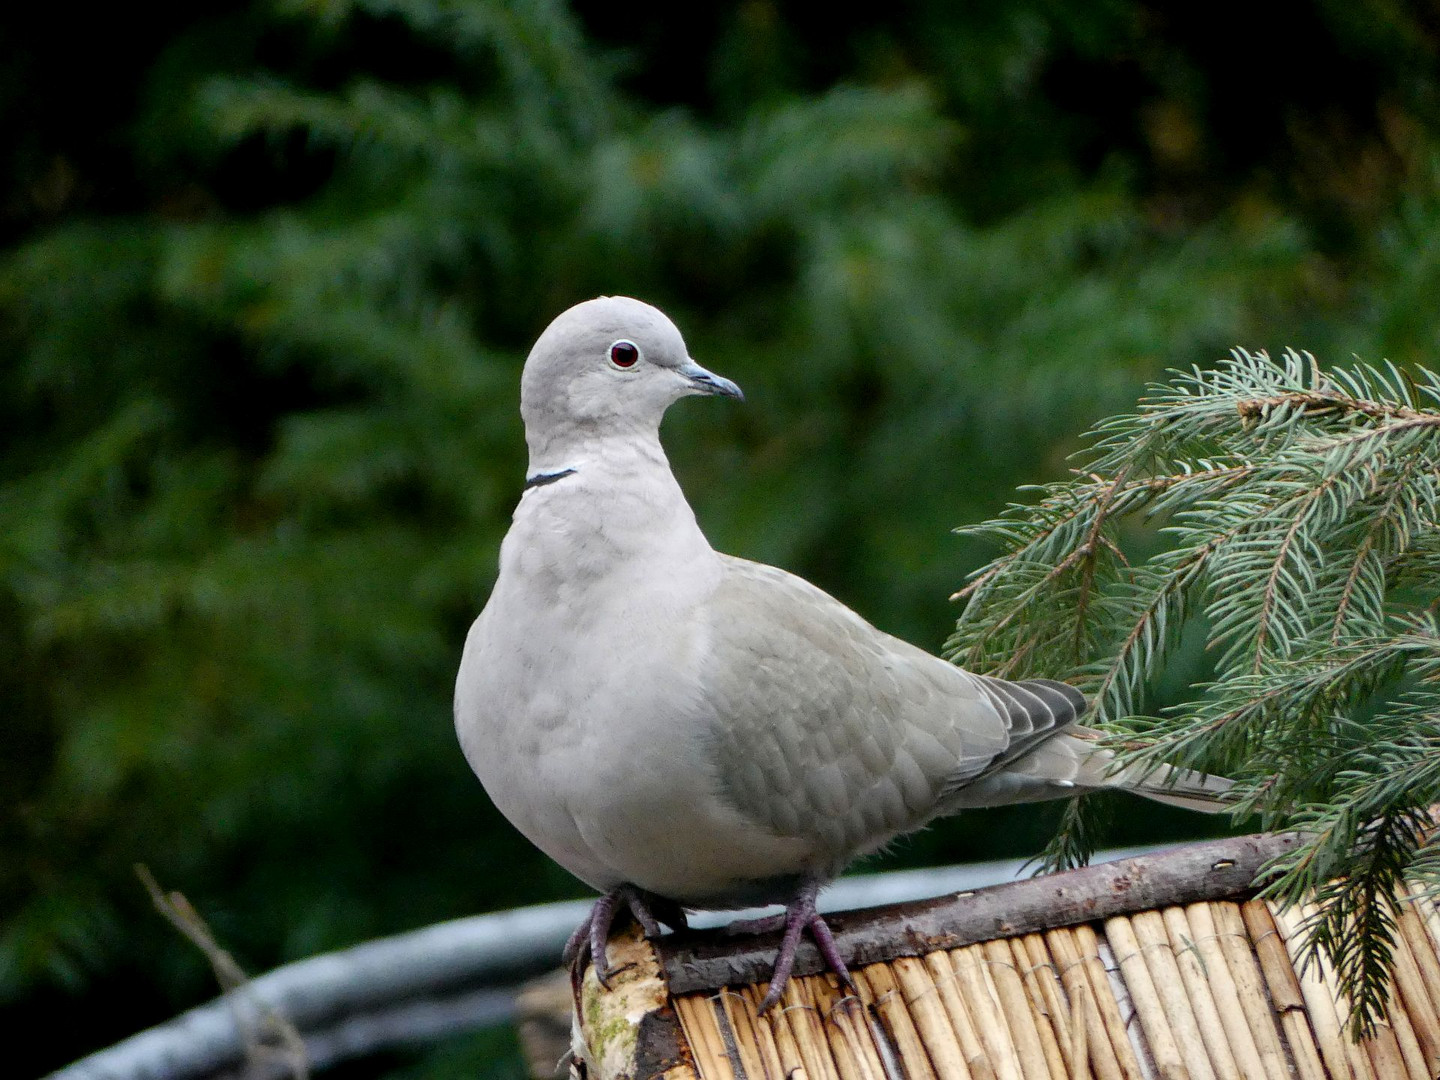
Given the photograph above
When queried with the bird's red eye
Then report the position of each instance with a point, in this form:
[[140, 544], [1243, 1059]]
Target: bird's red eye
[[623, 354]]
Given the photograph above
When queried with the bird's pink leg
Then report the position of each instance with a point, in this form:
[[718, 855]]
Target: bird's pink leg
[[800, 915], [591, 935]]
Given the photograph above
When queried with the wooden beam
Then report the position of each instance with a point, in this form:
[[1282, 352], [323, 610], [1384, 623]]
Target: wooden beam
[[1215, 870]]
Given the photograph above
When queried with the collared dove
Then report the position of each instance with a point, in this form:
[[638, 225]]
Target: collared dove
[[684, 729]]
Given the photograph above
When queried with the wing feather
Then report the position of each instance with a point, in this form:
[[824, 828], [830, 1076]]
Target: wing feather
[[825, 728]]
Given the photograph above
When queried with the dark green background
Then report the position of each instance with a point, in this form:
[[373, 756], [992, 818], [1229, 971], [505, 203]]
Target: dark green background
[[269, 274]]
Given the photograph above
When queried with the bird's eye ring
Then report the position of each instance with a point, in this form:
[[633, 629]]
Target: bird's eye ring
[[624, 354]]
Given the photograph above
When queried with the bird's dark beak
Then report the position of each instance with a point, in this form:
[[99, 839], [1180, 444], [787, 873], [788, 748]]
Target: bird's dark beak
[[707, 382]]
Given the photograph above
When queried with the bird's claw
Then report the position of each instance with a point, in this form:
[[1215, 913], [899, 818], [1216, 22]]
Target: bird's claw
[[590, 937], [800, 915]]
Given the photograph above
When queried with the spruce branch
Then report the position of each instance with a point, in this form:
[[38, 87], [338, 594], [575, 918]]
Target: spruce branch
[[1295, 510], [1272, 597], [1157, 612], [1077, 837]]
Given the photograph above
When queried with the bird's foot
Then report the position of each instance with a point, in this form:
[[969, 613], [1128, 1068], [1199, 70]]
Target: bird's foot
[[590, 936], [800, 915]]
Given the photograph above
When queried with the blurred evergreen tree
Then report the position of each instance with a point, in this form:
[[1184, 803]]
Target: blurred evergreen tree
[[270, 278]]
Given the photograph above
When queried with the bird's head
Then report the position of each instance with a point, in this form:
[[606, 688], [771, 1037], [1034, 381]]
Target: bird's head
[[609, 365]]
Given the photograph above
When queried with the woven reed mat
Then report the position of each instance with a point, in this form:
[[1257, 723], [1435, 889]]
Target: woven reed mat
[[1161, 966]]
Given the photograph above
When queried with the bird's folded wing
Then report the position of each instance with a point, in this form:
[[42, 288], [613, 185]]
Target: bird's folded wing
[[824, 727]]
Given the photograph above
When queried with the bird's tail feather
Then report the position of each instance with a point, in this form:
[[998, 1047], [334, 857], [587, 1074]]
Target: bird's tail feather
[[1185, 788], [1071, 762]]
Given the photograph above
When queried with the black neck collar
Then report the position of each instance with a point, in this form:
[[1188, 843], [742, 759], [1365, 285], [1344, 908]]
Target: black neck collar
[[540, 479]]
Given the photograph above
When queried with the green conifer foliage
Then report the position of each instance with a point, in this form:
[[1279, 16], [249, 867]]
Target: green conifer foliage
[[1297, 507]]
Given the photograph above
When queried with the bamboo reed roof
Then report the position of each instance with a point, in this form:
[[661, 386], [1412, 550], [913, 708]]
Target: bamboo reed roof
[[1163, 966]]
